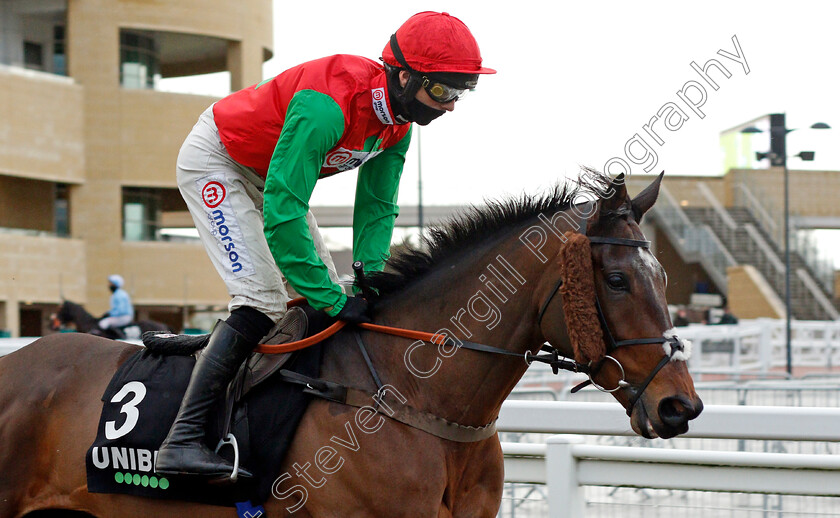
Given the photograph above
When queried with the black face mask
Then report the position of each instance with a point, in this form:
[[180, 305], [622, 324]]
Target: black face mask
[[112, 288], [422, 114], [412, 110]]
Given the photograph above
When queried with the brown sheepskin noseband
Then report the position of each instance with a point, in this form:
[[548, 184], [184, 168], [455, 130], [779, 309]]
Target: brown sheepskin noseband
[[578, 292]]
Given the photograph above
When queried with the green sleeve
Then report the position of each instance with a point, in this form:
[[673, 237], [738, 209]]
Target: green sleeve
[[376, 209], [314, 124]]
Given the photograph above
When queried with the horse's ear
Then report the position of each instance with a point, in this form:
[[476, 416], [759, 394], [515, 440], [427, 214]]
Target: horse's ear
[[616, 194], [645, 199]]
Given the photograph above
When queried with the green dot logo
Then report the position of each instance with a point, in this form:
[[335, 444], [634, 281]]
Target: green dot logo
[[144, 481], [127, 477], [136, 479], [153, 482], [118, 477], [163, 484]]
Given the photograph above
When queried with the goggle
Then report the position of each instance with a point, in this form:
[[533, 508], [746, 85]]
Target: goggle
[[441, 92]]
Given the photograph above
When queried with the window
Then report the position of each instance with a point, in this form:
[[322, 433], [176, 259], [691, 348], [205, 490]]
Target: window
[[139, 63], [59, 54], [33, 55], [62, 210], [141, 214]]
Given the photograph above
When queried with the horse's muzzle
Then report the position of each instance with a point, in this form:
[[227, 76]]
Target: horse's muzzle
[[674, 414]]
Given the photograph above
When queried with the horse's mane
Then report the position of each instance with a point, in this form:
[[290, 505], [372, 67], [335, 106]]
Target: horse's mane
[[477, 225]]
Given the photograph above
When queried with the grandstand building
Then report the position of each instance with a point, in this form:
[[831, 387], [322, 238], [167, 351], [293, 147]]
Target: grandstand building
[[88, 148]]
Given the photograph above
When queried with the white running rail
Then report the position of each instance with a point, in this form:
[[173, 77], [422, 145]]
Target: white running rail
[[565, 464]]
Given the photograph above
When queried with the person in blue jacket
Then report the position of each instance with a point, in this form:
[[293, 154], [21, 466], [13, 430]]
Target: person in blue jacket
[[122, 311]]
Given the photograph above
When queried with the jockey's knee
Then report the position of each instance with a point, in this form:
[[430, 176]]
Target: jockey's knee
[[251, 323]]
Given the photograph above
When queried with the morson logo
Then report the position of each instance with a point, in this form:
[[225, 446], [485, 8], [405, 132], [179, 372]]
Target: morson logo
[[344, 159], [226, 240], [338, 158], [213, 194], [380, 106], [233, 258]]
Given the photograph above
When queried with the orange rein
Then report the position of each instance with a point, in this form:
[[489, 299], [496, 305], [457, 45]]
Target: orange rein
[[336, 327]]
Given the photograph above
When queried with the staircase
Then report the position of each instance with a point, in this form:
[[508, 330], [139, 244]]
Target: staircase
[[695, 243], [749, 243]]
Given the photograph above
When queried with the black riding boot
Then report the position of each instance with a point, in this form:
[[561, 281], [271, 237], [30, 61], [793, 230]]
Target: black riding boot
[[184, 452]]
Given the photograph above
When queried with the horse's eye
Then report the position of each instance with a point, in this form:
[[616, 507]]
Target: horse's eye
[[616, 281]]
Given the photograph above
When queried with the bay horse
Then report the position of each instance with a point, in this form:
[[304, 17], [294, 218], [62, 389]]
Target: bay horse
[[72, 313], [489, 277]]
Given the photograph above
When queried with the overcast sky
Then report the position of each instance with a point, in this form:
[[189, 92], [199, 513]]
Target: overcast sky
[[577, 80]]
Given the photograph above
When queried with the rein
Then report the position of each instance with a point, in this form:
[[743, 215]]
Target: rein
[[555, 360]]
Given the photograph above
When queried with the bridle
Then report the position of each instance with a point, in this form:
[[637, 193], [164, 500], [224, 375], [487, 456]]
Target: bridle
[[611, 343]]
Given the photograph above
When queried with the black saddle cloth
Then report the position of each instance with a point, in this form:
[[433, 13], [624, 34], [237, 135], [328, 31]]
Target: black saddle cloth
[[141, 403]]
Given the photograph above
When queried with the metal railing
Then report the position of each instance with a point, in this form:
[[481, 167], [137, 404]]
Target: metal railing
[[817, 293], [713, 254], [553, 473], [745, 198], [816, 300], [750, 349], [805, 245], [766, 260], [695, 243], [771, 222], [758, 346], [723, 221]]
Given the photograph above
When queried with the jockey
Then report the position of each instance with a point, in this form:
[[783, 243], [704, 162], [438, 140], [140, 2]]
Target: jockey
[[247, 171], [122, 311]]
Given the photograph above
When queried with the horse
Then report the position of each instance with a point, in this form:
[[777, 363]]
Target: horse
[[70, 312], [501, 281]]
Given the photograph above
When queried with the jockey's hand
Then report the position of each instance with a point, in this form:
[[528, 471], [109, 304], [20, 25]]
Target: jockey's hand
[[355, 311]]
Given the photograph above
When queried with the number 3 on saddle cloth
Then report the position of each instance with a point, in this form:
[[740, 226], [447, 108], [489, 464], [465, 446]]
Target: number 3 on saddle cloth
[[141, 401]]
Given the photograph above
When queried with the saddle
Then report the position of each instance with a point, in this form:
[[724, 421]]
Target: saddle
[[256, 369]]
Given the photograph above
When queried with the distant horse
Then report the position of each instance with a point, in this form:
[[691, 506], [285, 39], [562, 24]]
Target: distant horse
[[70, 312], [509, 277]]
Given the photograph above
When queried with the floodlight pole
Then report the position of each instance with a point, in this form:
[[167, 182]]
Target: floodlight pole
[[419, 184], [778, 157], [779, 132]]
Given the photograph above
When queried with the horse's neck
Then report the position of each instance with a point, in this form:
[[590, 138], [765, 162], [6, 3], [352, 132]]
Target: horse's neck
[[486, 300], [84, 320]]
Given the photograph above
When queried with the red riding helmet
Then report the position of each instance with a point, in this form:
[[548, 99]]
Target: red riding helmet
[[436, 42]]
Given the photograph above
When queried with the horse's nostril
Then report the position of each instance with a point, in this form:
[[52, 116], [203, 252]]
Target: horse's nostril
[[676, 411]]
